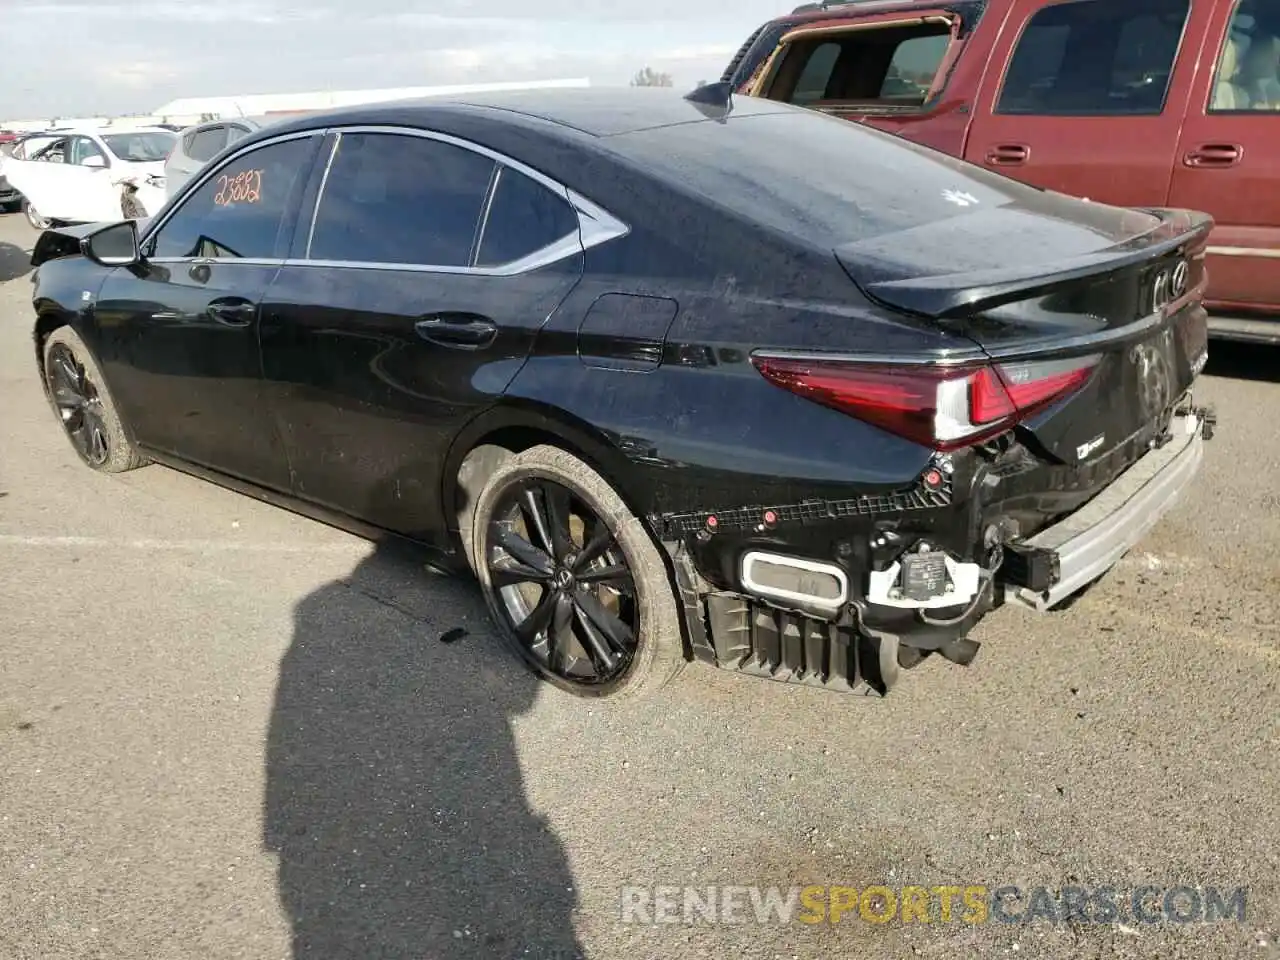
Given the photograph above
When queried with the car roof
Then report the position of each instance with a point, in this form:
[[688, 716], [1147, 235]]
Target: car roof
[[593, 111]]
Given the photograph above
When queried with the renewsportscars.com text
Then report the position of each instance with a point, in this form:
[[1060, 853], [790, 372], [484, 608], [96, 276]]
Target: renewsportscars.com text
[[970, 904]]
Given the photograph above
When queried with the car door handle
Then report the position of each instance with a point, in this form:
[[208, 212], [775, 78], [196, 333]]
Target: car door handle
[[1214, 155], [232, 311], [463, 331], [1008, 154]]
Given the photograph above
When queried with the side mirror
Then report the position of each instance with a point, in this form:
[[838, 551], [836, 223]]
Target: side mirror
[[115, 245], [95, 162]]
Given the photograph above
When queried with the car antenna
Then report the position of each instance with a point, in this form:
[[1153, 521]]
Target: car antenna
[[718, 96]]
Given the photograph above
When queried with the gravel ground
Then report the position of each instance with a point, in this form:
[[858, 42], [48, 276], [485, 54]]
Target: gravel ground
[[226, 731]]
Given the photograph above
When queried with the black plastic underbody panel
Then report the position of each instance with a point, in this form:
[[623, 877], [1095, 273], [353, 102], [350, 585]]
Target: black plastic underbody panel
[[758, 640]]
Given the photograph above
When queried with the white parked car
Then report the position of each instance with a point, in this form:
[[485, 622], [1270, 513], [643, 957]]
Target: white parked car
[[86, 176]]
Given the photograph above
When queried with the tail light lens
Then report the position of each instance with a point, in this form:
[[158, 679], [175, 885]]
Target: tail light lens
[[941, 407]]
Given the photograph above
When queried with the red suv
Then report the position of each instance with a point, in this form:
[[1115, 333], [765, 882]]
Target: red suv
[[1169, 103]]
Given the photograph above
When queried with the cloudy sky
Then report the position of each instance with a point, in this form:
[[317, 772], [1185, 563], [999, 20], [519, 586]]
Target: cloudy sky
[[66, 57]]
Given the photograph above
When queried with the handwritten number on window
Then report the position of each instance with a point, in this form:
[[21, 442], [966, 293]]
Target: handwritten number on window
[[245, 187]]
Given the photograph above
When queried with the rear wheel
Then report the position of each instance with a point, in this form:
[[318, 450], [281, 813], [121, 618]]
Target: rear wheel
[[84, 407], [34, 218], [574, 583]]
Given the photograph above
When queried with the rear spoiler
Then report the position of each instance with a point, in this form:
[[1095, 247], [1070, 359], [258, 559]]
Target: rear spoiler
[[949, 296]]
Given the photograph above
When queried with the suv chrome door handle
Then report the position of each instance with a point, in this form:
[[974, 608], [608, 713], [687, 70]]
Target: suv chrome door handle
[[1008, 154], [1214, 155], [461, 331]]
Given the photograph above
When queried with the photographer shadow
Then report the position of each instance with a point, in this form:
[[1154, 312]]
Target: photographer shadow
[[394, 795]]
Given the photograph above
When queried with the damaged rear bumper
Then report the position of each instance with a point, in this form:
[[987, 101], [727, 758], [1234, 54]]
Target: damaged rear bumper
[[1059, 561]]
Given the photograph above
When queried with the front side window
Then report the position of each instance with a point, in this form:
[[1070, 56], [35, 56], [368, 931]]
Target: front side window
[[524, 217], [1247, 76], [393, 198], [890, 65], [239, 211], [1095, 58]]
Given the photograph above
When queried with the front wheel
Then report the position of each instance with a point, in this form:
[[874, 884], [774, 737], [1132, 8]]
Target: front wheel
[[574, 583], [84, 407], [34, 218]]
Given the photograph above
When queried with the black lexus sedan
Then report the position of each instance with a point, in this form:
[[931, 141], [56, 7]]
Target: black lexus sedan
[[679, 377]]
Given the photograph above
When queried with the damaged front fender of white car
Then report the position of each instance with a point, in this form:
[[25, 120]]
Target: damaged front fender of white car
[[141, 195]]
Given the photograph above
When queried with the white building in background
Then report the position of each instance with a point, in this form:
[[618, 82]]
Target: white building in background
[[194, 109], [191, 110]]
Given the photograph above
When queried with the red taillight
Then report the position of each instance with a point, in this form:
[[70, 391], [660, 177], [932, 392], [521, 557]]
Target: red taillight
[[939, 406]]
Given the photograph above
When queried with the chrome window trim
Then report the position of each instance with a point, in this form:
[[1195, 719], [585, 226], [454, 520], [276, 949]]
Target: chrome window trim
[[324, 182], [495, 177], [567, 246], [595, 224], [222, 261]]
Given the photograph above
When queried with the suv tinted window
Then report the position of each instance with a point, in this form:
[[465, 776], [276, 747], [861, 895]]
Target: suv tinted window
[[893, 65], [1247, 78], [1095, 58], [816, 74], [524, 217], [239, 211], [391, 198], [204, 145]]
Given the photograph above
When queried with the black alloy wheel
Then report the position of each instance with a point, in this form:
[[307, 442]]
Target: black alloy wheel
[[79, 394], [79, 405], [563, 582]]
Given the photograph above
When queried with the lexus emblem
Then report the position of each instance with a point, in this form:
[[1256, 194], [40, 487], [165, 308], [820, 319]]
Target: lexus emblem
[[1169, 285]]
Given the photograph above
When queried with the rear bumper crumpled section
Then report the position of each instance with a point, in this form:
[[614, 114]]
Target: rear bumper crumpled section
[[1071, 554]]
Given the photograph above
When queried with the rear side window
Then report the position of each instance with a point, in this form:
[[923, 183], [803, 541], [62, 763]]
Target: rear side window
[[1095, 58], [524, 217], [892, 65], [1247, 76], [239, 211], [203, 145], [391, 198]]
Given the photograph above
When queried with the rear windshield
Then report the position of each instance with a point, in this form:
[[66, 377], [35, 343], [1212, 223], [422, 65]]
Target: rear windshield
[[828, 180]]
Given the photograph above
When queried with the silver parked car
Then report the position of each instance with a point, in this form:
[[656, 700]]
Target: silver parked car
[[199, 144]]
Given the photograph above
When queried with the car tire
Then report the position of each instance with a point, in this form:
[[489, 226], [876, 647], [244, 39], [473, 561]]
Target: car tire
[[34, 218], [612, 627], [80, 399]]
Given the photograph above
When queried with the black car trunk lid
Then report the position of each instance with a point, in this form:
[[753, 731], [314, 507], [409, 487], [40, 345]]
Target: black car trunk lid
[[1119, 294]]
